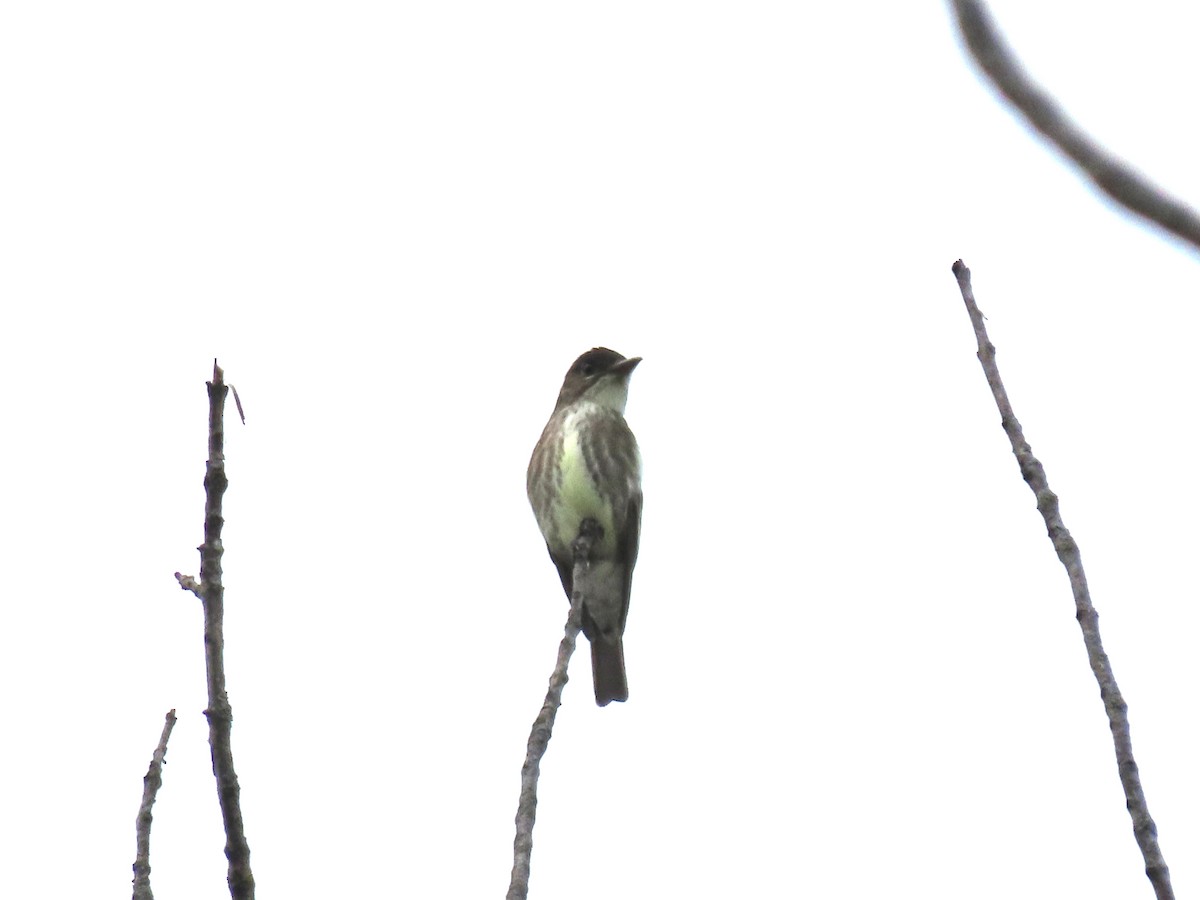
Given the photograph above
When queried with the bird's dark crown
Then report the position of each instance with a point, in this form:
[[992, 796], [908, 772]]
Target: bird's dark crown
[[596, 360]]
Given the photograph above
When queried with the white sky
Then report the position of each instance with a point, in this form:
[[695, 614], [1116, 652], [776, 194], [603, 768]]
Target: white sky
[[854, 665]]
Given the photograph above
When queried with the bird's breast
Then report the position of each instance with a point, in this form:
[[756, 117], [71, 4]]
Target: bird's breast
[[579, 495]]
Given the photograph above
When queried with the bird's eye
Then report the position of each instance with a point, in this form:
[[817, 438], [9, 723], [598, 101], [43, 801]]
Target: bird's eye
[[586, 369]]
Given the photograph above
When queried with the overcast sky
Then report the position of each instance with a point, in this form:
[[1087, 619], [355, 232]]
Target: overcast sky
[[853, 660]]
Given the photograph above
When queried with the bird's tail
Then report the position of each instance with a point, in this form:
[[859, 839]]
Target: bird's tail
[[608, 670]]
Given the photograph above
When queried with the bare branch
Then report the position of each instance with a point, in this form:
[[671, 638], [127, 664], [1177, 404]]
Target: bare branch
[[539, 737], [1144, 829], [1111, 175], [188, 583], [212, 593], [150, 785]]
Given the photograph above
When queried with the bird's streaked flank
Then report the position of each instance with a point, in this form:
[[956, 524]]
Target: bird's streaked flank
[[586, 465]]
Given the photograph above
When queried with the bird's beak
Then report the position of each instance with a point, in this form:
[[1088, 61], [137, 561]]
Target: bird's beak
[[625, 366]]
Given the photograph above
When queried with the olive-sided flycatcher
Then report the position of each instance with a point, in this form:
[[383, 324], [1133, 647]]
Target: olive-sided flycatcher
[[586, 465]]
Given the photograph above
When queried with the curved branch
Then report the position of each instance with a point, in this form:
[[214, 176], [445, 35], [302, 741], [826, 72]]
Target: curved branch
[[1111, 175], [1144, 829]]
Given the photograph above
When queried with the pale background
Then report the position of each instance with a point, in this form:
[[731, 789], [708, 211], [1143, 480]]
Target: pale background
[[853, 658]]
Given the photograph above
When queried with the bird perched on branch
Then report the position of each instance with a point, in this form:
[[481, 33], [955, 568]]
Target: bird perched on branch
[[586, 465]]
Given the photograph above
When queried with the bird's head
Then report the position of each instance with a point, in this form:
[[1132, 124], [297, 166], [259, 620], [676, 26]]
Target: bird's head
[[601, 376]]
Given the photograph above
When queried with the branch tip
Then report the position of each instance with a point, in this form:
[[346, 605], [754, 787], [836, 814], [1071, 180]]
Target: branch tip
[[1067, 550], [150, 785]]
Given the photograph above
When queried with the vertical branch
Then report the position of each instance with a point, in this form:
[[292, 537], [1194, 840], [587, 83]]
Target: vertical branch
[[150, 785], [211, 591], [539, 737], [1144, 829]]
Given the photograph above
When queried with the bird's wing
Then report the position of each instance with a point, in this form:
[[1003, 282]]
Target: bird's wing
[[627, 549]]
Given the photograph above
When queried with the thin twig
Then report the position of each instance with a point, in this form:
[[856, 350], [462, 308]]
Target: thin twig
[[1144, 829], [1111, 175], [539, 737], [212, 593], [150, 785], [238, 403]]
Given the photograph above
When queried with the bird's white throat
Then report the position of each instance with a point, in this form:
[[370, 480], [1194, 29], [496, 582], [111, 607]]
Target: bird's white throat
[[610, 392]]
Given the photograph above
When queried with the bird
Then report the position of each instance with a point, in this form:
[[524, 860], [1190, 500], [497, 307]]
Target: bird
[[586, 465]]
